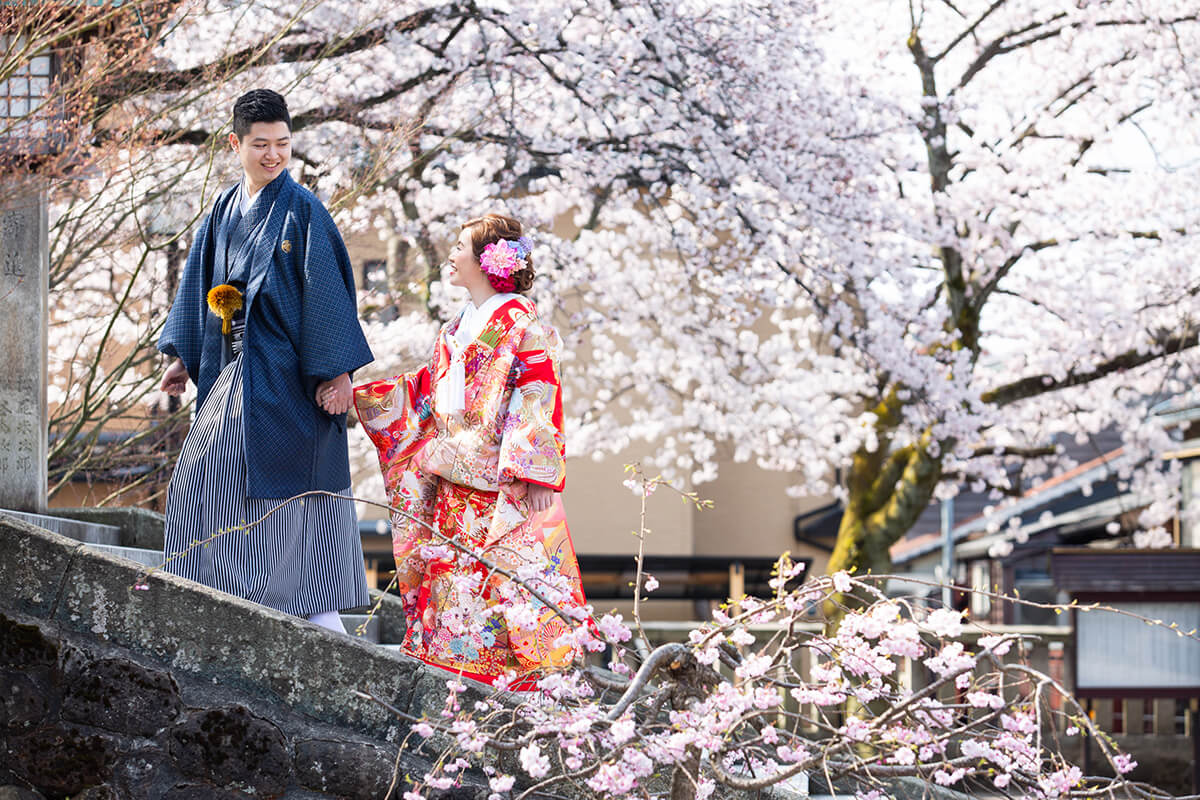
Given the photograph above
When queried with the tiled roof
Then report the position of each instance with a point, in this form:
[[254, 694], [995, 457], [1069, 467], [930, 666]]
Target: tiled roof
[[969, 519]]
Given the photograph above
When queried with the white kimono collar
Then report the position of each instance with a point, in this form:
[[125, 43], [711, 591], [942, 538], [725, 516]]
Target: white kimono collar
[[474, 319], [453, 388], [244, 198]]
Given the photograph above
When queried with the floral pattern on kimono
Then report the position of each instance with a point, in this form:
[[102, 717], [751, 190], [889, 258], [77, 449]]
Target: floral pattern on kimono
[[461, 472]]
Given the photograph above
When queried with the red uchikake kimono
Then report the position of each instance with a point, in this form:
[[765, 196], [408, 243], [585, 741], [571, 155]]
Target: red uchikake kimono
[[461, 473]]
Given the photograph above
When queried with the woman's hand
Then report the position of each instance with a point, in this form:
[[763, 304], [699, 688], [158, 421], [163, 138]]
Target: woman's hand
[[539, 497], [175, 381], [336, 395]]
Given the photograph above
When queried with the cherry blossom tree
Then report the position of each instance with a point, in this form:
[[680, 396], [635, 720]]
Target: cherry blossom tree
[[733, 709], [628, 119], [57, 59], [753, 698], [889, 252], [914, 246], [57, 63], [1051, 187], [126, 191]]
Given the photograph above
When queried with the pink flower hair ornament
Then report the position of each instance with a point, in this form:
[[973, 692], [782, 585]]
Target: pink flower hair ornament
[[500, 260]]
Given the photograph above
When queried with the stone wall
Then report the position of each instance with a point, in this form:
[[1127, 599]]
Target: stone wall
[[181, 692], [97, 722]]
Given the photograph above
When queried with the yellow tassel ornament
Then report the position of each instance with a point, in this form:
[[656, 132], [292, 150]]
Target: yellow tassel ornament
[[224, 301]]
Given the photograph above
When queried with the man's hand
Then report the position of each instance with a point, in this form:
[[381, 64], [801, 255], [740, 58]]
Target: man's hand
[[335, 396], [175, 381], [539, 497]]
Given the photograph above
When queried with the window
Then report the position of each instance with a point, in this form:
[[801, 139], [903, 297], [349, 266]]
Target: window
[[24, 91], [1183, 724]]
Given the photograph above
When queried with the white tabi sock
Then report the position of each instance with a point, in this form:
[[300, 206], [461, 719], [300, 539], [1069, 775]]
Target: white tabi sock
[[329, 619]]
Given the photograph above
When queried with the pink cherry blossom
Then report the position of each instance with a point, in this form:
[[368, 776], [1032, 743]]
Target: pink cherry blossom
[[841, 582], [985, 700], [611, 625], [1061, 782], [533, 762], [502, 783], [623, 730], [1124, 763], [944, 622]]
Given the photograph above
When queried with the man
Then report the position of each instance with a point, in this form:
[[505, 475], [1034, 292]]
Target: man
[[270, 351]]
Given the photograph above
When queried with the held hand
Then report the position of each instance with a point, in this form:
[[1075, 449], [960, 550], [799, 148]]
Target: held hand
[[539, 497], [335, 396], [175, 381]]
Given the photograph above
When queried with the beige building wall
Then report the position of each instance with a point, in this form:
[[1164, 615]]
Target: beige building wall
[[363, 249], [752, 515], [604, 514]]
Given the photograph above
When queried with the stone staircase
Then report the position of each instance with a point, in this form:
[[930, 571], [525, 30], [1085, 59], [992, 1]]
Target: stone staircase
[[94, 533], [112, 539]]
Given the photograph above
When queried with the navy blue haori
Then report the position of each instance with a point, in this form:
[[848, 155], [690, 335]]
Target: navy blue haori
[[301, 329]]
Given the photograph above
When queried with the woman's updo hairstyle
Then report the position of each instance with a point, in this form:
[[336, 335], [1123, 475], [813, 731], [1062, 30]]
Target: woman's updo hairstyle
[[492, 228]]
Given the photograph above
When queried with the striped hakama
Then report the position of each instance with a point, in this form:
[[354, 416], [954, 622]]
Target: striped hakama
[[304, 559]]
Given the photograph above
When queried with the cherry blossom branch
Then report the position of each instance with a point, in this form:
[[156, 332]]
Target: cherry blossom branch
[[998, 46], [1018, 452], [1036, 385], [969, 30], [273, 51], [659, 657]]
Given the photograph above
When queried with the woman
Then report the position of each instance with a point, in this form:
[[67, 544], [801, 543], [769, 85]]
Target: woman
[[472, 446]]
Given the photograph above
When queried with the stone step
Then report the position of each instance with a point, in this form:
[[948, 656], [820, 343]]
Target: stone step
[[89, 532], [147, 558]]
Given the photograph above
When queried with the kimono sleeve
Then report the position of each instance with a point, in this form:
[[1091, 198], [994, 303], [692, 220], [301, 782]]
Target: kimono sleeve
[[397, 416], [532, 447], [183, 333], [331, 339]]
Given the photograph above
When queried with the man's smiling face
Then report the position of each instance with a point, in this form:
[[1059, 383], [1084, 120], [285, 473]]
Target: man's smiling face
[[264, 152]]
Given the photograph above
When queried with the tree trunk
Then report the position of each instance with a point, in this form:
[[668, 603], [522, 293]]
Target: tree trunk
[[685, 777], [886, 496], [395, 266]]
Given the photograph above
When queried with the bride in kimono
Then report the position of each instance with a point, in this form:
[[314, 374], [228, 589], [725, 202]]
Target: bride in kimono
[[472, 446]]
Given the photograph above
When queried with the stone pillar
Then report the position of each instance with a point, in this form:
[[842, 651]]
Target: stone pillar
[[24, 287]]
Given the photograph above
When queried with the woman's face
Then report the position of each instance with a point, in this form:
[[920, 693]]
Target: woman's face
[[462, 267]]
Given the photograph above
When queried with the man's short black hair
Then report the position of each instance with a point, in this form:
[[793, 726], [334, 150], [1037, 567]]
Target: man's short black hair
[[259, 105]]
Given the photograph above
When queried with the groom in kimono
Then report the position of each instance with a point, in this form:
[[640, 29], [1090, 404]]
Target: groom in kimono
[[266, 324]]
